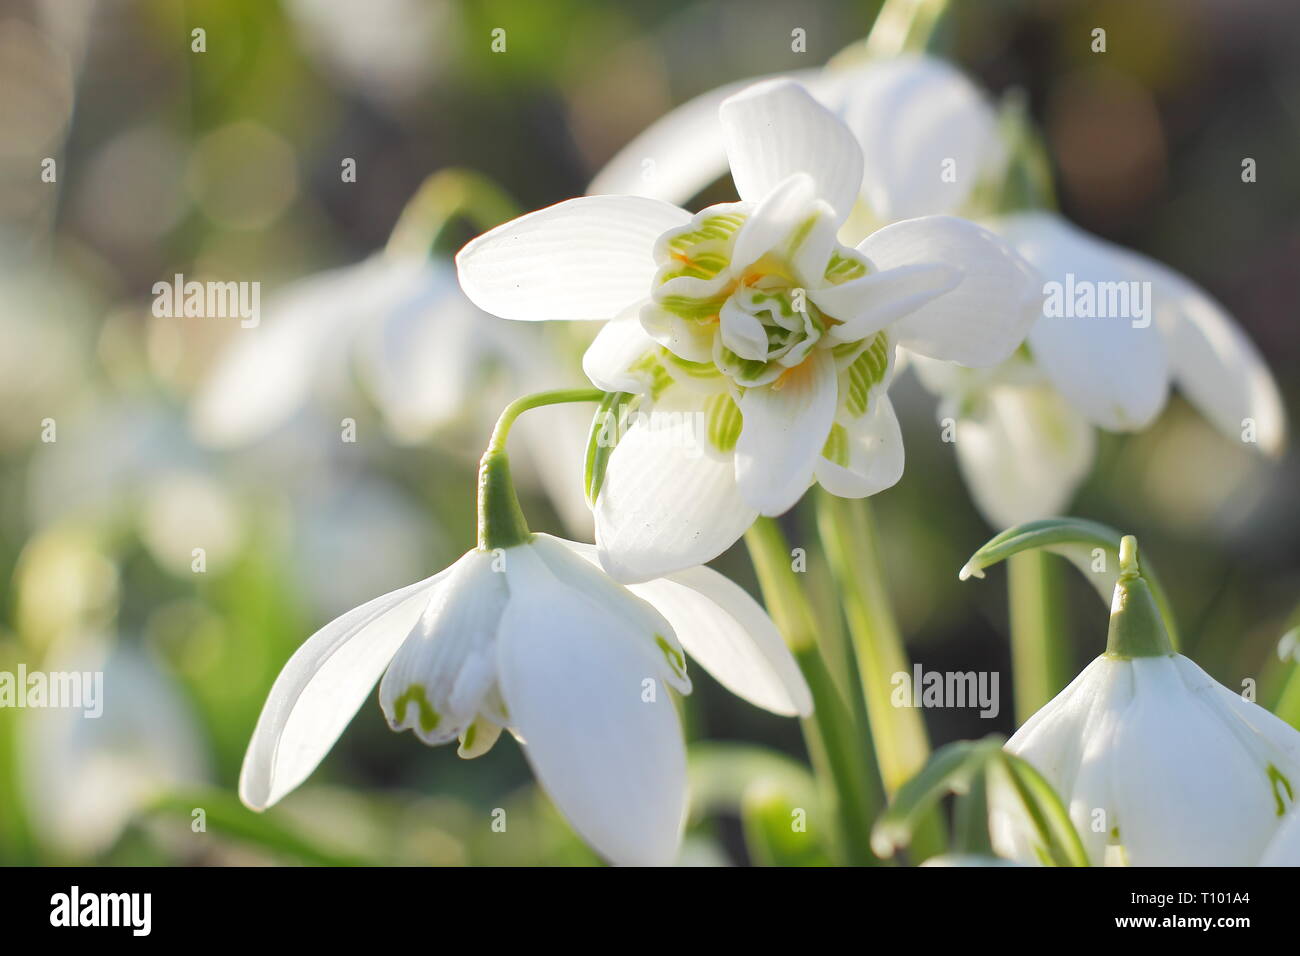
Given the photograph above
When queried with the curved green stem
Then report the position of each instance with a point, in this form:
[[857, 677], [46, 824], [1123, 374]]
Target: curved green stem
[[844, 765], [444, 196], [501, 522]]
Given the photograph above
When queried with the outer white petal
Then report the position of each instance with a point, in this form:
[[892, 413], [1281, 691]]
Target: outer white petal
[[784, 431], [619, 344], [1115, 374], [1284, 849], [1022, 451], [865, 306], [775, 129], [667, 503], [679, 154], [587, 258], [320, 689], [449, 657], [727, 632], [572, 674], [912, 115], [1188, 792], [875, 462], [985, 317], [1214, 362]]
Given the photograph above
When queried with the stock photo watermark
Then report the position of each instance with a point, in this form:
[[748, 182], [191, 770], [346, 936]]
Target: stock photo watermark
[[55, 690], [947, 689], [1085, 299], [208, 300]]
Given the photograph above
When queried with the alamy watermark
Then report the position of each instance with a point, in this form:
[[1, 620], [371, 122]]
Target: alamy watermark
[[938, 689], [1085, 299], [208, 300], [70, 690]]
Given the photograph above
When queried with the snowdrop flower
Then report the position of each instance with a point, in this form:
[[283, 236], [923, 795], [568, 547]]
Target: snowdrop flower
[[1158, 764], [1024, 431], [527, 633], [761, 347]]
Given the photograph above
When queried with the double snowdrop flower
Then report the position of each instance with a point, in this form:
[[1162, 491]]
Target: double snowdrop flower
[[1157, 763], [1025, 431], [748, 330], [526, 632]]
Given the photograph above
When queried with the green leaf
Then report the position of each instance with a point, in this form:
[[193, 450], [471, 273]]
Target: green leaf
[[1077, 541]]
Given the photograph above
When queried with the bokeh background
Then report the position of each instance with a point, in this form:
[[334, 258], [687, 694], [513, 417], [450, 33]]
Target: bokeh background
[[226, 164]]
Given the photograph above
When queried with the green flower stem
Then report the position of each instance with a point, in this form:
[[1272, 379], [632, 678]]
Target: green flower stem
[[1037, 627], [444, 196], [501, 523], [906, 26], [844, 765], [898, 733]]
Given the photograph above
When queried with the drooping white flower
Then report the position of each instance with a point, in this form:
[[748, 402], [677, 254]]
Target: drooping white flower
[[760, 346], [1025, 436], [537, 639], [1157, 763]]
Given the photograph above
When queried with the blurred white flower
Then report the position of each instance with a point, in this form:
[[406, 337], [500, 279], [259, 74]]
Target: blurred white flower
[[750, 328], [535, 638], [1284, 850], [85, 777]]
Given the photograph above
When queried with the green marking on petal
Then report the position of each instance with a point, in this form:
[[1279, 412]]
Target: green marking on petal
[[865, 372], [704, 370], [801, 234], [836, 448], [842, 268], [429, 718], [724, 421], [467, 738], [1276, 777], [675, 658], [658, 376], [697, 310]]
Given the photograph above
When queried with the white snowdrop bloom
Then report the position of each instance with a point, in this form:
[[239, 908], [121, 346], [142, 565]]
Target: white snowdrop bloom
[[1157, 763], [760, 347], [534, 637], [1024, 442]]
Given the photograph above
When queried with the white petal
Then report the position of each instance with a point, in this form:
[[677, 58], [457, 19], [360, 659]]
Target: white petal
[[587, 258], [775, 129], [875, 453], [727, 632], [774, 219], [1214, 362], [619, 344], [1022, 451], [915, 118], [447, 664], [785, 428], [985, 317], [1189, 793], [572, 674], [666, 502], [742, 332], [320, 689], [584, 574], [865, 306], [1284, 849], [1116, 374]]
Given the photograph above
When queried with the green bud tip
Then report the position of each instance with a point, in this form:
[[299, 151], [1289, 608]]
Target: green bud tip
[[1136, 627]]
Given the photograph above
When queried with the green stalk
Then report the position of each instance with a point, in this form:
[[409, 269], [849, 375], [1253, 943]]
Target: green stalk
[[1037, 628], [845, 767], [444, 196], [501, 523], [898, 733]]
